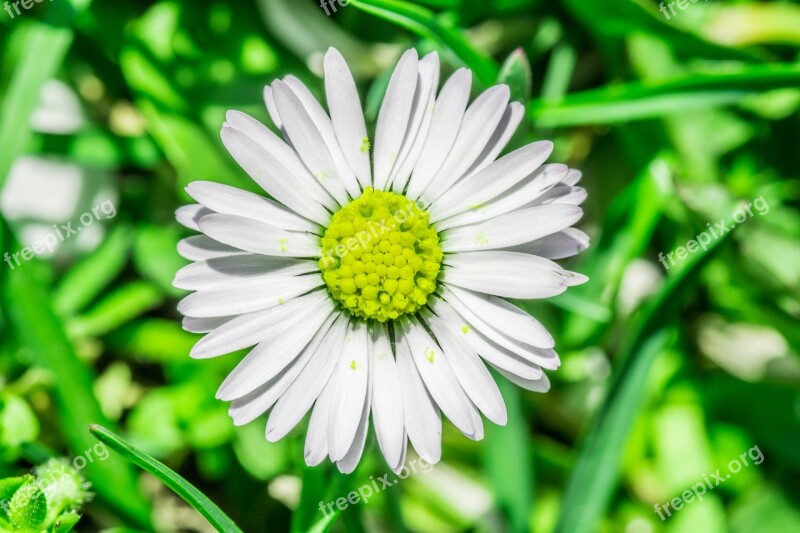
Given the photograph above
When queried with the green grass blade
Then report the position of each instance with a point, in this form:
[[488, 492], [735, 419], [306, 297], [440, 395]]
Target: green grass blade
[[83, 282], [642, 100], [27, 309], [423, 22], [508, 461], [45, 45], [118, 307], [594, 475], [618, 19], [188, 492]]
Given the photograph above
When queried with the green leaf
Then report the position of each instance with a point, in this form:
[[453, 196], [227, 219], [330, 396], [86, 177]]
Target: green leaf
[[423, 22], [65, 522], [188, 492], [83, 282], [642, 100], [594, 475], [516, 73], [28, 507], [18, 422], [8, 487]]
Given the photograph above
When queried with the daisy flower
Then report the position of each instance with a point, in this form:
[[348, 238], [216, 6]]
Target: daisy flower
[[371, 284]]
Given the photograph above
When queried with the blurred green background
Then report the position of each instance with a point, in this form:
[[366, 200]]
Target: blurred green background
[[677, 119]]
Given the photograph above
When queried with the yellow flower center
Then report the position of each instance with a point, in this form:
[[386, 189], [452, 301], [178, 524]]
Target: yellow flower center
[[380, 256]]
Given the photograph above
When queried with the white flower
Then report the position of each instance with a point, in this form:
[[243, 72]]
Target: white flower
[[376, 287]]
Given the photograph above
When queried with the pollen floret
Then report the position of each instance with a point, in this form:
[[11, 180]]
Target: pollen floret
[[380, 256]]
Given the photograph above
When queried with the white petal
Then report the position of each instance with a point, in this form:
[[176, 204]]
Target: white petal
[[565, 243], [538, 356], [422, 420], [271, 173], [347, 115], [349, 462], [489, 350], [541, 384], [517, 227], [201, 247], [247, 408], [448, 114], [421, 113], [250, 329], [301, 394], [351, 377], [394, 116], [397, 468], [506, 274], [492, 181], [439, 378], [480, 121], [204, 325], [575, 278], [308, 141], [244, 297], [471, 373], [259, 237], [232, 201], [521, 194], [281, 346], [286, 155], [269, 102], [562, 194], [545, 357], [573, 177], [316, 448], [228, 270], [387, 398], [325, 127], [502, 316], [189, 215], [501, 136]]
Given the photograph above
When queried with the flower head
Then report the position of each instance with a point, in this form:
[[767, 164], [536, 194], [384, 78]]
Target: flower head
[[373, 287]]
